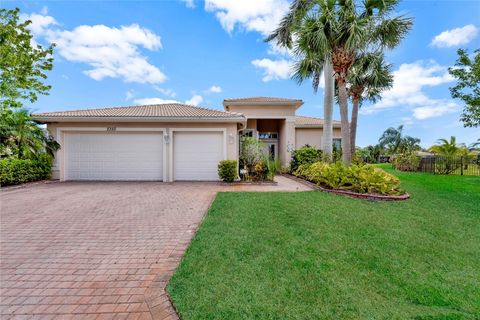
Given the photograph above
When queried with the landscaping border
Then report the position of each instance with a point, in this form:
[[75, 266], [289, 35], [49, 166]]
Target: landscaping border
[[351, 194], [249, 183]]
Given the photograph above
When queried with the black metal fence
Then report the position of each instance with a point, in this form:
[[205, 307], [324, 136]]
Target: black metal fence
[[451, 165]]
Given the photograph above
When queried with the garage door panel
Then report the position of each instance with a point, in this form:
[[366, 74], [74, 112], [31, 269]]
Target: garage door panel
[[113, 156], [196, 155]]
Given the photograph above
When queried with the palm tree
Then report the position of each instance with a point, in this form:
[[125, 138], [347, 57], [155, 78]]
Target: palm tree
[[475, 144], [448, 148], [19, 132], [368, 77], [320, 30], [395, 142]]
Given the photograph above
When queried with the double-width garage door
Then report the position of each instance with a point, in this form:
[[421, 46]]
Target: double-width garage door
[[140, 155], [113, 156]]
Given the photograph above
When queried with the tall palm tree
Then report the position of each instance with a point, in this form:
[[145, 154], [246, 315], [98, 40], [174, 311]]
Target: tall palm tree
[[336, 30], [447, 148], [19, 131], [368, 77]]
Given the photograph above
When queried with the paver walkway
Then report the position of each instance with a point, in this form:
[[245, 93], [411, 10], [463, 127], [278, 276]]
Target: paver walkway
[[99, 250]]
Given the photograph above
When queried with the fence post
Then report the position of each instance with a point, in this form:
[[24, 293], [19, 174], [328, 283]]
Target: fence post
[[461, 165]]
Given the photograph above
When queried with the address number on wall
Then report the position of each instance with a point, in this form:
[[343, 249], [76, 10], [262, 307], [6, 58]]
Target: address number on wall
[[111, 128]]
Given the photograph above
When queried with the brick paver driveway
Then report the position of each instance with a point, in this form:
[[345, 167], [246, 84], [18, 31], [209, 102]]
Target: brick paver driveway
[[98, 250]]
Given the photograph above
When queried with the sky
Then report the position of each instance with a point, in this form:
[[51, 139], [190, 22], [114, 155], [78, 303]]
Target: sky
[[119, 53]]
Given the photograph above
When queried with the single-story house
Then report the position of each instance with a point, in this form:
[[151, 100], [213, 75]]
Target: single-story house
[[171, 142]]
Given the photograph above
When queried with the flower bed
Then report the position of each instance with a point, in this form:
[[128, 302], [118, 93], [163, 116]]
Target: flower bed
[[359, 181]]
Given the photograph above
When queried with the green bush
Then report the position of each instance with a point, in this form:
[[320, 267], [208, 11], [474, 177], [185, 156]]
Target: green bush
[[16, 171], [304, 155], [358, 178], [406, 162], [227, 170]]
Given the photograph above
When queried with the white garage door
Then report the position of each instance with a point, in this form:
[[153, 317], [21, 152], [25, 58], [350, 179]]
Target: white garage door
[[196, 155], [113, 156]]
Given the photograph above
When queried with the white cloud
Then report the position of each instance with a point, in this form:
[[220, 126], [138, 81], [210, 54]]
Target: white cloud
[[273, 69], [110, 52], [129, 95], [189, 3], [432, 111], [39, 22], [215, 89], [407, 92], [195, 100], [167, 92], [253, 15], [147, 101], [455, 37]]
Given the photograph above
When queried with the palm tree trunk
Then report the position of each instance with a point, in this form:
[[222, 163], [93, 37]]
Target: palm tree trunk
[[328, 110], [343, 103], [353, 125]]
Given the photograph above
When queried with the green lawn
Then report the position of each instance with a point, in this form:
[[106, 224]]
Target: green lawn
[[313, 255]]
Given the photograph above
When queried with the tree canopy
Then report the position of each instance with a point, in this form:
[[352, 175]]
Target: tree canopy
[[23, 63], [467, 88]]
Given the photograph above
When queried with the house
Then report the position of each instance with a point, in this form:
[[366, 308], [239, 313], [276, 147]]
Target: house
[[171, 142]]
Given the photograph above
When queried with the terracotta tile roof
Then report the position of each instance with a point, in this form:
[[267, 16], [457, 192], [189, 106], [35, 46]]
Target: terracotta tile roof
[[304, 121], [261, 99], [170, 110]]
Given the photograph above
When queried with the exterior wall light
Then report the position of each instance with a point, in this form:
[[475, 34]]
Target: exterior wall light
[[166, 137]]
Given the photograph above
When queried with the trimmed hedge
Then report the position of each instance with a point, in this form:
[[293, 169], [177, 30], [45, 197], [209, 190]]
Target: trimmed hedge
[[406, 162], [304, 155], [16, 171], [227, 170], [356, 178]]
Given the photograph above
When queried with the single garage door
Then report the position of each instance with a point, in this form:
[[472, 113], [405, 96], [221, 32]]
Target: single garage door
[[196, 155], [113, 156]]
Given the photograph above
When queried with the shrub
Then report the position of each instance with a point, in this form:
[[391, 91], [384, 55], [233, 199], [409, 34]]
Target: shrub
[[406, 162], [358, 178], [304, 155], [16, 171], [227, 170]]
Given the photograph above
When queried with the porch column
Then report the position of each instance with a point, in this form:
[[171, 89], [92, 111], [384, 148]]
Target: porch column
[[286, 140]]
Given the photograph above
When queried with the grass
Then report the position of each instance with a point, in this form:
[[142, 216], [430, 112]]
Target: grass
[[312, 255]]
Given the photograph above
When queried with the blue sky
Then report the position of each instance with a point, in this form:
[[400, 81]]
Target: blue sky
[[114, 53]]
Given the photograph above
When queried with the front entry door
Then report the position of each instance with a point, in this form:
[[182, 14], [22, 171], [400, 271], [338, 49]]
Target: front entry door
[[272, 149]]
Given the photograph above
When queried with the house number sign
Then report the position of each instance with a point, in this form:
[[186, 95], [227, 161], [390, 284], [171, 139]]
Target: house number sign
[[111, 129]]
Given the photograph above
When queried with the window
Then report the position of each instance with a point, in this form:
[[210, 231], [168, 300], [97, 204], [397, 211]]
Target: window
[[247, 133], [268, 135], [337, 143]]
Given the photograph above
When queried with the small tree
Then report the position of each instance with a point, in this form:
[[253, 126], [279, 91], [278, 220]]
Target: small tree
[[22, 64], [467, 73], [252, 152]]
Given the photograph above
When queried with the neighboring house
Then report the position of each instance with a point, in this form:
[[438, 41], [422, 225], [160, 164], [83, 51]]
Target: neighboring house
[[172, 142]]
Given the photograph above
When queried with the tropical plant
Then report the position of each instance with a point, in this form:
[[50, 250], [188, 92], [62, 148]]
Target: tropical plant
[[406, 162], [395, 142], [368, 77], [337, 31], [467, 72], [358, 178], [475, 144], [23, 137], [304, 155], [448, 148], [22, 63], [227, 170], [370, 154]]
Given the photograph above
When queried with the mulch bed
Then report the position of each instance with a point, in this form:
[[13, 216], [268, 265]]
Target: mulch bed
[[351, 194], [249, 183]]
